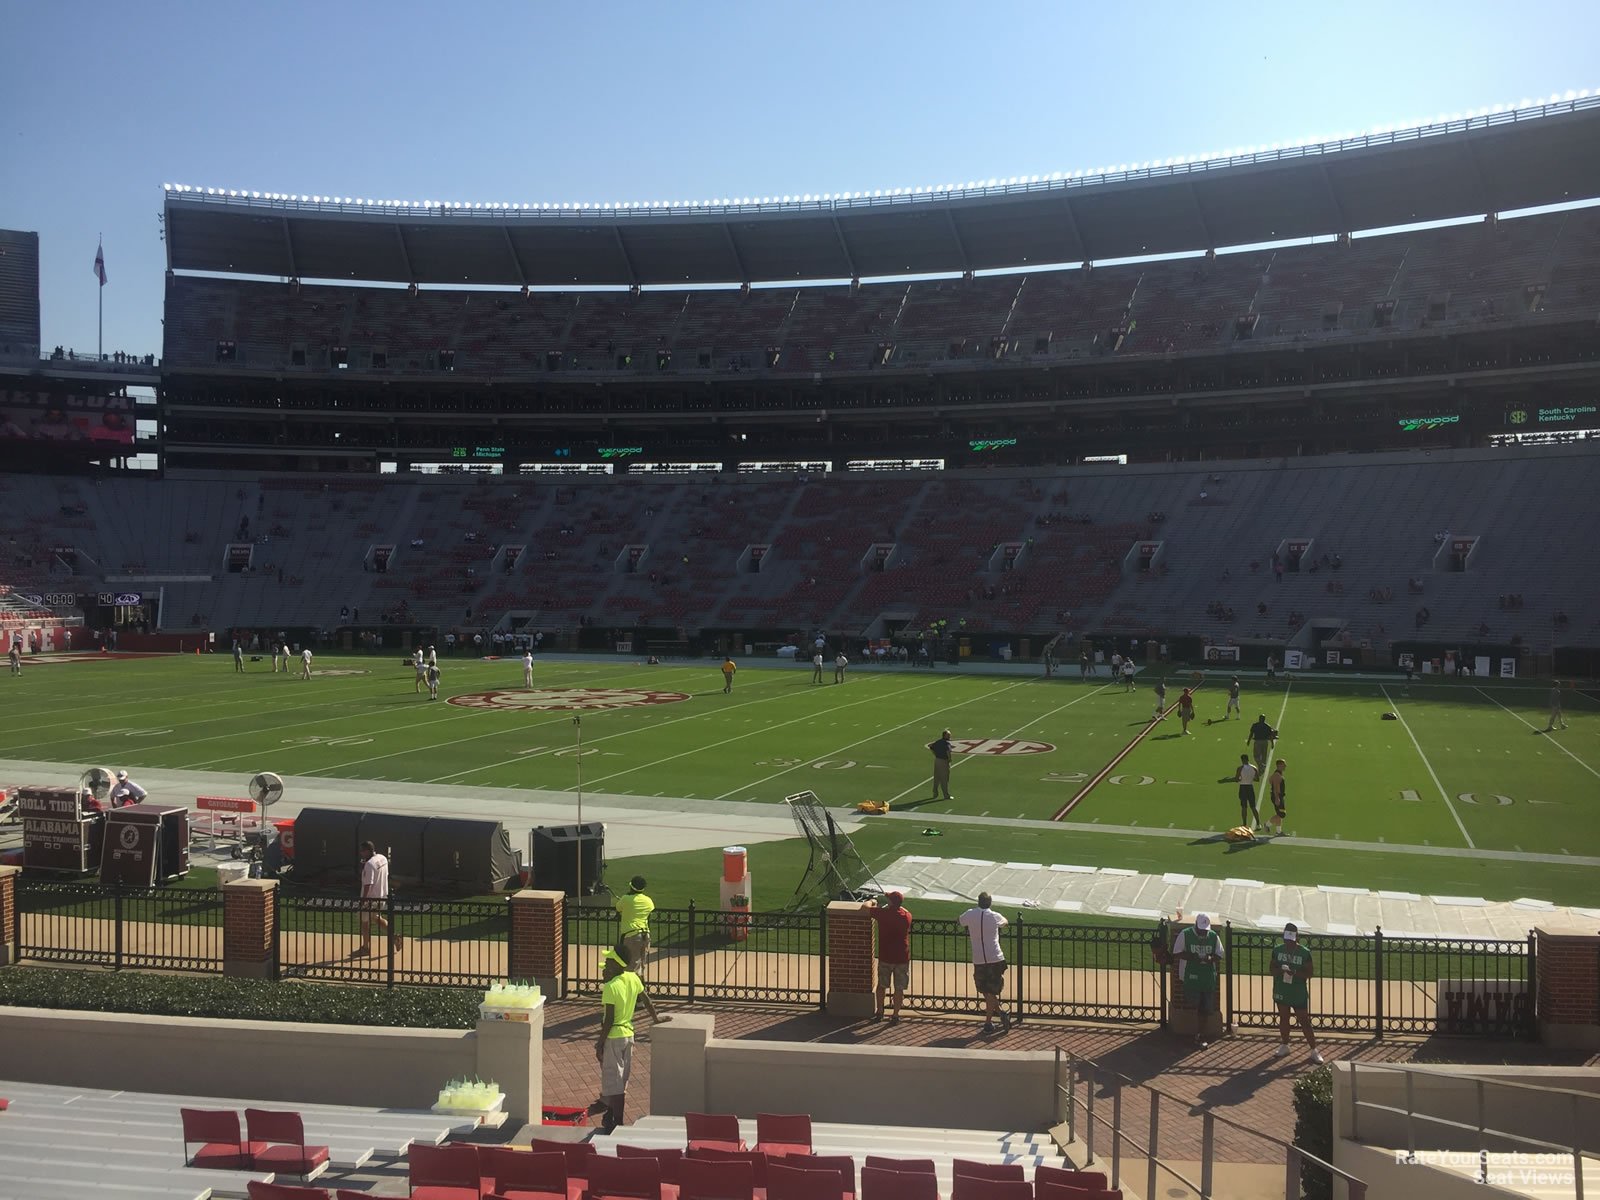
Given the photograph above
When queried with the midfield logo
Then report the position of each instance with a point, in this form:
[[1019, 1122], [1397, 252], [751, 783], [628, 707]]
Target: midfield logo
[[555, 699]]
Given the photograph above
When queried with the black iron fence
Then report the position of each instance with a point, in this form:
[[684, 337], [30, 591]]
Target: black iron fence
[[440, 943], [123, 929], [1373, 985], [1384, 984], [710, 954]]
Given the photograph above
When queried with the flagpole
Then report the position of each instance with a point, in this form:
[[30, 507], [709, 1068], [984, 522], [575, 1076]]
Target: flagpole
[[100, 331]]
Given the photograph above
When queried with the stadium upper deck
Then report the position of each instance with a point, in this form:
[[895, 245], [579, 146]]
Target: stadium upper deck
[[1494, 162]]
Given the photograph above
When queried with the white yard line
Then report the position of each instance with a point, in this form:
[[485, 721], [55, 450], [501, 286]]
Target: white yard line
[[1536, 729], [871, 737], [1007, 737], [1444, 795]]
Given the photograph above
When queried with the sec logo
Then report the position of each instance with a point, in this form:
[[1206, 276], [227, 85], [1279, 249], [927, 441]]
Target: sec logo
[[556, 699], [1000, 746]]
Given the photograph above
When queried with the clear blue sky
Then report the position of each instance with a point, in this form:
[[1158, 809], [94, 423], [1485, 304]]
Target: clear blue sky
[[533, 101]]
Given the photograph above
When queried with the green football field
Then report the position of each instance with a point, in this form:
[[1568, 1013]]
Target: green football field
[[1465, 770]]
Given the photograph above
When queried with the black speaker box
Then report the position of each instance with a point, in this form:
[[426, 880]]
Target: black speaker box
[[570, 859]]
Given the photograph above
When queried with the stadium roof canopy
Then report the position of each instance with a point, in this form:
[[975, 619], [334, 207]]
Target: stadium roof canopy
[[1509, 160]]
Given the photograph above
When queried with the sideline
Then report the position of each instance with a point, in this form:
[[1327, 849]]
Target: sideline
[[1111, 766], [1536, 729], [1444, 795]]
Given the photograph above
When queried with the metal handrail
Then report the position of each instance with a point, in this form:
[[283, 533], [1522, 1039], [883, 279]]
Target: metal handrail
[[1481, 1127], [1294, 1156]]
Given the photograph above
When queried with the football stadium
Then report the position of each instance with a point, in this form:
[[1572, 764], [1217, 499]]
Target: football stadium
[[1173, 584]]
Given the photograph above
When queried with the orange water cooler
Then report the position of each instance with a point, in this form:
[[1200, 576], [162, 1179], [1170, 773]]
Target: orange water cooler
[[735, 888]]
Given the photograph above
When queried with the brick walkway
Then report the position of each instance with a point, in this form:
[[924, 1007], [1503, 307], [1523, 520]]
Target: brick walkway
[[1237, 1077]]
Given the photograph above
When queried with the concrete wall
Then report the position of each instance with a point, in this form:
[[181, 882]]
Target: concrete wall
[[1445, 1091], [277, 1062], [691, 1071]]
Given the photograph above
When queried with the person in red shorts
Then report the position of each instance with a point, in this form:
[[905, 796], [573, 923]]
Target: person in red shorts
[[893, 920]]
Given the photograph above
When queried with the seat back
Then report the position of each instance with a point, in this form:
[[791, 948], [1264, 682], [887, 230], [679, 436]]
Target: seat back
[[843, 1164], [978, 1170], [712, 1127], [257, 1190], [702, 1178], [788, 1128], [636, 1178], [1091, 1181], [274, 1125], [451, 1165], [880, 1183], [795, 1183], [578, 1154], [669, 1159], [756, 1159], [911, 1166], [972, 1187], [538, 1172], [210, 1125], [1064, 1191]]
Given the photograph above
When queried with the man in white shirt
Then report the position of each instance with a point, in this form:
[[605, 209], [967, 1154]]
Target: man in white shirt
[[126, 792], [839, 664], [374, 899], [983, 926], [816, 667], [305, 663], [527, 669], [419, 668], [1245, 777]]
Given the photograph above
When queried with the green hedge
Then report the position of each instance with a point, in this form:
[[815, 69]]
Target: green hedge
[[238, 999], [1313, 1130]]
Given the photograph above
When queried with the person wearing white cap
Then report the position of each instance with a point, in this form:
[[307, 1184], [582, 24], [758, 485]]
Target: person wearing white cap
[[1198, 952], [1292, 970], [126, 792]]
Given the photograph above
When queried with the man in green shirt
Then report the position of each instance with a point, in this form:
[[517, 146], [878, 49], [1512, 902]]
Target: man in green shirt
[[620, 993], [1292, 970], [633, 923], [1198, 951]]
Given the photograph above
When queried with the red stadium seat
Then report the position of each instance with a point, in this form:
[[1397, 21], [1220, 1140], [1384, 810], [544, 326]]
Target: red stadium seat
[[716, 1179], [222, 1148], [880, 1183], [450, 1172], [257, 1190], [632, 1178], [756, 1159], [794, 1183], [669, 1159], [1094, 1181], [779, 1134], [280, 1138], [713, 1131], [518, 1175], [973, 1187], [844, 1164], [913, 1166]]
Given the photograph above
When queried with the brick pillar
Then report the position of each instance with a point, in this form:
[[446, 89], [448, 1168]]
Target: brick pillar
[[850, 961], [8, 914], [1568, 984], [249, 923], [538, 951]]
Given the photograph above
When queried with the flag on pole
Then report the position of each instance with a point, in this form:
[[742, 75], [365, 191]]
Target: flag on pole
[[100, 264]]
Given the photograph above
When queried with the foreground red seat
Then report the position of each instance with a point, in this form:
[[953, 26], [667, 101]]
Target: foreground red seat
[[669, 1160], [222, 1148], [448, 1172], [779, 1134], [1061, 1191], [578, 1155], [843, 1165], [973, 1187], [1090, 1181], [713, 1131], [907, 1166], [716, 1179], [516, 1175], [880, 1183], [786, 1182], [632, 1178], [756, 1159], [257, 1190], [280, 1141]]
